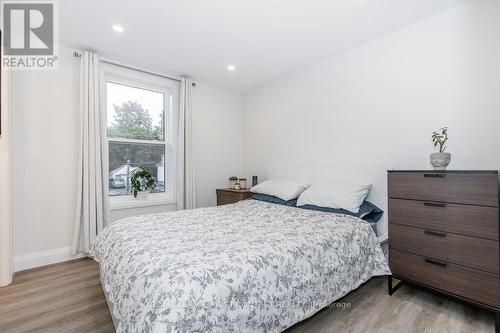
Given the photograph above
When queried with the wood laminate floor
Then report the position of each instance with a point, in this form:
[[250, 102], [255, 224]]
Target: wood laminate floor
[[68, 297]]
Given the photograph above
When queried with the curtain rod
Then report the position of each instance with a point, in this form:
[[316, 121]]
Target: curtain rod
[[79, 55]]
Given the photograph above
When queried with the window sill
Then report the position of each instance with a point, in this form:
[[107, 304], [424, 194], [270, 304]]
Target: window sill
[[129, 202]]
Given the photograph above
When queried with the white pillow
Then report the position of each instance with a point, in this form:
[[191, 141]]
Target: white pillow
[[335, 195], [283, 189]]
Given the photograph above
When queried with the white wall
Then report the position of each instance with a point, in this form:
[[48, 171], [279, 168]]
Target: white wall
[[218, 140], [377, 104], [45, 122], [45, 131]]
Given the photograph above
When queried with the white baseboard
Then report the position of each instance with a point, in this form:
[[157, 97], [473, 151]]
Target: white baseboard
[[37, 259], [383, 239]]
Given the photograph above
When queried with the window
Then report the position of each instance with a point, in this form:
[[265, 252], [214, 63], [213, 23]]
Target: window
[[141, 131]]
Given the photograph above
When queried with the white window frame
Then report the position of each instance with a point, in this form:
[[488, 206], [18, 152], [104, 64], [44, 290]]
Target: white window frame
[[141, 80]]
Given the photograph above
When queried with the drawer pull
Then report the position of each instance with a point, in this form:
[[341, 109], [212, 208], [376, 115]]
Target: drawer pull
[[434, 204], [435, 175], [435, 233], [435, 262]]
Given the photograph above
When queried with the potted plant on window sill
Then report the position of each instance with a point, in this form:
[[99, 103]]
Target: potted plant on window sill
[[440, 160], [142, 183]]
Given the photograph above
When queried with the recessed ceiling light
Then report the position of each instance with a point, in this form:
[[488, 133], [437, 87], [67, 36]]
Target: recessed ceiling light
[[231, 68], [118, 28]]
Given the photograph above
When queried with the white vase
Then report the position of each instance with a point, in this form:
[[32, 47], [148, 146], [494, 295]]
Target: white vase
[[440, 160], [142, 195]]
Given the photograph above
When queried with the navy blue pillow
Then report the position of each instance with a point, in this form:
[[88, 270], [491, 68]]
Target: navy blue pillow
[[367, 211], [274, 200]]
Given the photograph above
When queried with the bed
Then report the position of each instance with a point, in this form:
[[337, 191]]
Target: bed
[[247, 267]]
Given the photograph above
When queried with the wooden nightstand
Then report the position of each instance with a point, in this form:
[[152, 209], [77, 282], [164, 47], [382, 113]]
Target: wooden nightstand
[[227, 196]]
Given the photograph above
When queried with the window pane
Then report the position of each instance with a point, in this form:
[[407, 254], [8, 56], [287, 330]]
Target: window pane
[[124, 158], [134, 113]]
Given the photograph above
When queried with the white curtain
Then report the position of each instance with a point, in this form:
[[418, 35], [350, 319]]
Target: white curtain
[[186, 190], [91, 208]]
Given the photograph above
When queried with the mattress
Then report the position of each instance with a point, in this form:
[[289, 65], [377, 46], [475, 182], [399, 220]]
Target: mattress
[[247, 267]]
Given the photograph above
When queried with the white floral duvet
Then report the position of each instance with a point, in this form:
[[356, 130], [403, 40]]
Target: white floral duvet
[[248, 267]]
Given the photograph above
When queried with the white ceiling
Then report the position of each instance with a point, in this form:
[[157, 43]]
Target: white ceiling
[[264, 39]]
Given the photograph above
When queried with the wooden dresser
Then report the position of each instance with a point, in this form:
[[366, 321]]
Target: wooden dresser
[[444, 233], [226, 196]]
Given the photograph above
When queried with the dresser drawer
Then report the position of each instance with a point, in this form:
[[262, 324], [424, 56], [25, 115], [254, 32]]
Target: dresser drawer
[[475, 285], [463, 188], [467, 220], [462, 250]]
